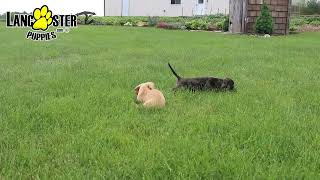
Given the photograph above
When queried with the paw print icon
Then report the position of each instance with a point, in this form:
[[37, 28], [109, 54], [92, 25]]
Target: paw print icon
[[43, 18]]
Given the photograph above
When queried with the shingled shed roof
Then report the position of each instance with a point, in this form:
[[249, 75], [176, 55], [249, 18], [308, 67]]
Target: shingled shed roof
[[249, 11]]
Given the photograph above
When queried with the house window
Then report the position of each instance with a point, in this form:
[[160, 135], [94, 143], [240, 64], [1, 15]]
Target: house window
[[175, 1], [200, 1]]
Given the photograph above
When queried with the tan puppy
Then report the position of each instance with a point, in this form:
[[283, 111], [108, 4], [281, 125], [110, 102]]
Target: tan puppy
[[149, 96], [150, 84]]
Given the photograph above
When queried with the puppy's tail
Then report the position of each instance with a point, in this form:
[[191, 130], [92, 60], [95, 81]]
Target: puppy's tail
[[174, 71]]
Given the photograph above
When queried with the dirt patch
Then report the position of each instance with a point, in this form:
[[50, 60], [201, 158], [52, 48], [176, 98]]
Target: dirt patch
[[309, 28]]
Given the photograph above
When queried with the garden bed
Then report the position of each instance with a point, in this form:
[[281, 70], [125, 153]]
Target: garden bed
[[207, 23], [305, 24]]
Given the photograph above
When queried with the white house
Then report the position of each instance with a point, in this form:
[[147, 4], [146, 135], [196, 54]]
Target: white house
[[165, 7]]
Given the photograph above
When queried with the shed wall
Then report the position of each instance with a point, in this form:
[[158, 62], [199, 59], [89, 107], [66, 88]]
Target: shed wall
[[279, 10], [165, 8]]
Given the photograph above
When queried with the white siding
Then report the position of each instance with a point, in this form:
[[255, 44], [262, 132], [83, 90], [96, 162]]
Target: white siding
[[164, 7], [113, 7], [218, 6]]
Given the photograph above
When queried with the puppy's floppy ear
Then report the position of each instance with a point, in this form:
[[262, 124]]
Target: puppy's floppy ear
[[231, 84], [228, 84], [224, 84], [136, 89]]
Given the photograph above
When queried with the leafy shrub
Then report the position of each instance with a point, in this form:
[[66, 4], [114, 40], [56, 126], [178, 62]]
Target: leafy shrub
[[203, 25], [315, 23], [193, 24], [189, 24], [297, 21], [309, 20], [309, 7], [153, 21], [197, 24], [312, 7], [220, 25], [293, 28], [304, 24], [102, 21], [300, 21], [264, 24], [225, 26]]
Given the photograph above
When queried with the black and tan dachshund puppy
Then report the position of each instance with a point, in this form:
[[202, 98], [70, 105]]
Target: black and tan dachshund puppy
[[202, 83]]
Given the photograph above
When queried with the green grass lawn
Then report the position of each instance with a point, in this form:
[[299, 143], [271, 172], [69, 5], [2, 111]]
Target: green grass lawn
[[67, 110]]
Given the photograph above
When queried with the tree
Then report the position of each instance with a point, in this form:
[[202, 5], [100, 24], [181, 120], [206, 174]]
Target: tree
[[312, 6], [264, 23]]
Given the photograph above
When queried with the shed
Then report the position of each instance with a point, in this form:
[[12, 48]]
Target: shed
[[244, 13], [172, 8]]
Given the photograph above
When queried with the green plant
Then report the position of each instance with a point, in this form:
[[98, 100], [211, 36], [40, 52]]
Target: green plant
[[264, 23], [293, 28], [219, 25], [197, 24], [297, 21], [153, 21], [300, 21], [203, 25], [315, 23], [312, 6], [225, 26], [188, 24], [308, 7]]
